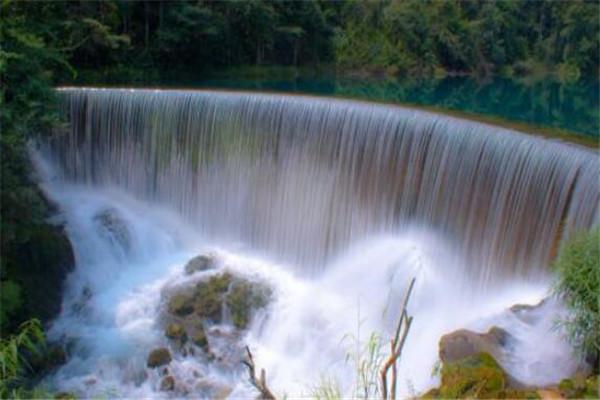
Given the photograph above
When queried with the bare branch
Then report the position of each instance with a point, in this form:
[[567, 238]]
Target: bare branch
[[396, 344], [259, 383]]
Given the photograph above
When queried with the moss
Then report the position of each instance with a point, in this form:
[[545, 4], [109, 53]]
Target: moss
[[199, 338], [592, 388], [577, 389], [477, 376], [158, 357], [209, 296], [243, 299], [175, 331], [181, 304]]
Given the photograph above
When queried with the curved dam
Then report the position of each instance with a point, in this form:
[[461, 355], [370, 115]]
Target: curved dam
[[335, 205]]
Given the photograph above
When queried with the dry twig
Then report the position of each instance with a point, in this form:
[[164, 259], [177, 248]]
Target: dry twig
[[259, 383], [396, 344]]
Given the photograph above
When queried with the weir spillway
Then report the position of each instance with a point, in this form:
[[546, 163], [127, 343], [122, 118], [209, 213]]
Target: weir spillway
[[302, 177]]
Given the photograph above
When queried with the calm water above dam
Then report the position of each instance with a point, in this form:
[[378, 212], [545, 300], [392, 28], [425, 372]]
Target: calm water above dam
[[573, 107]]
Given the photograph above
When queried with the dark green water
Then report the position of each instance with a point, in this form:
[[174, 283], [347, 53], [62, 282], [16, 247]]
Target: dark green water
[[573, 107]]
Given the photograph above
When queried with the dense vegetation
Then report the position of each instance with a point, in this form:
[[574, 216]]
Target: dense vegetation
[[578, 267], [150, 40]]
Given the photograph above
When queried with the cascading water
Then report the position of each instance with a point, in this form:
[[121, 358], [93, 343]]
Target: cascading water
[[336, 203]]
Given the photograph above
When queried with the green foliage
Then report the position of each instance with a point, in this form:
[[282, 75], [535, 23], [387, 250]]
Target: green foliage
[[578, 283], [14, 351], [422, 36], [327, 389], [367, 358]]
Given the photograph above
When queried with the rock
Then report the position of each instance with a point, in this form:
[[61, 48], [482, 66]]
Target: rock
[[199, 264], [212, 389], [65, 396], [476, 376], [580, 387], [167, 383], [176, 331], [159, 357], [209, 296], [244, 298], [181, 304], [463, 343], [199, 338], [529, 313], [113, 226]]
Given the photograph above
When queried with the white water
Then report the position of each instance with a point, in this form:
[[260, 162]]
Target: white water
[[370, 195], [300, 341]]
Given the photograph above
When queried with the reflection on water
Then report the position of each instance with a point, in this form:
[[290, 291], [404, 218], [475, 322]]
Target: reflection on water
[[573, 106]]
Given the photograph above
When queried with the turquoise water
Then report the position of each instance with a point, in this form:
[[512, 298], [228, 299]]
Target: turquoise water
[[573, 107]]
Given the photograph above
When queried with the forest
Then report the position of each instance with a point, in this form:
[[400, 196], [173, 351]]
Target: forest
[[45, 44]]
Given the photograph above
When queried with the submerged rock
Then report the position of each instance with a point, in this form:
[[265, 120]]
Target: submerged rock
[[464, 343], [167, 383], [113, 226], [159, 357], [199, 264], [211, 314]]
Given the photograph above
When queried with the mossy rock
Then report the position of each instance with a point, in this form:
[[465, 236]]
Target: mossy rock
[[478, 376], [580, 388], [243, 299], [199, 264], [592, 387], [209, 296], [176, 331], [65, 396], [199, 338], [159, 357], [181, 304]]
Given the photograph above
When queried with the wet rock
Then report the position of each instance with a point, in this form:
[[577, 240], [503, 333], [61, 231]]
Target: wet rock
[[580, 387], [199, 338], [167, 383], [529, 313], [159, 357], [243, 298], [212, 389], [463, 343], [90, 381], [181, 304], [199, 264], [113, 226], [65, 396], [176, 331], [478, 376]]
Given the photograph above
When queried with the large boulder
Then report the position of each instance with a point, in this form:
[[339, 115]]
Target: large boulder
[[463, 343], [159, 357], [477, 376]]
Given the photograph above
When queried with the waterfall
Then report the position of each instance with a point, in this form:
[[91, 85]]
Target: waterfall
[[302, 178]]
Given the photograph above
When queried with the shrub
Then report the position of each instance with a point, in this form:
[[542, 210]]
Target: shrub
[[578, 283]]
